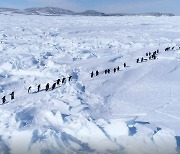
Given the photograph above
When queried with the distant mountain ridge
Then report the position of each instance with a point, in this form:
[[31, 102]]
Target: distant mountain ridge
[[10, 10], [48, 11], [92, 13], [55, 11]]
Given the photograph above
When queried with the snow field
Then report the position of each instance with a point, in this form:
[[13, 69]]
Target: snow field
[[135, 110]]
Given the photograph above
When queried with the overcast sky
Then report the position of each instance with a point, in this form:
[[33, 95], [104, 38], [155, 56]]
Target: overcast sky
[[108, 6]]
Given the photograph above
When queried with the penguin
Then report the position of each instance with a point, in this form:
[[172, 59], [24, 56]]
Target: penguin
[[12, 95], [47, 86]]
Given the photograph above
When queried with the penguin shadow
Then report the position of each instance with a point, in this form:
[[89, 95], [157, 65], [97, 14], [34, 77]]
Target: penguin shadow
[[35, 92], [145, 60], [58, 86], [4, 103]]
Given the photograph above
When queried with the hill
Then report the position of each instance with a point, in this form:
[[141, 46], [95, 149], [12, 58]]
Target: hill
[[55, 11]]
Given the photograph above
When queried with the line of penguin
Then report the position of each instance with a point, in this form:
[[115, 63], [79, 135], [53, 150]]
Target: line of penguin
[[149, 56], [47, 87], [107, 71]]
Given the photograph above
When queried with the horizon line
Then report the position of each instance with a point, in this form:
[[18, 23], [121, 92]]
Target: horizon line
[[87, 10]]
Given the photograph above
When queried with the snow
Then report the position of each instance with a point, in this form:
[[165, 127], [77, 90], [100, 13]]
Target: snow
[[135, 110]]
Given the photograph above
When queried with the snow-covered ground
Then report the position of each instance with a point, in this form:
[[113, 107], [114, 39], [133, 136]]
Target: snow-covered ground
[[135, 110]]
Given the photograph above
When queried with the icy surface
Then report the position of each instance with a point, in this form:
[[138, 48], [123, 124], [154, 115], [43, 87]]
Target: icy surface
[[135, 110]]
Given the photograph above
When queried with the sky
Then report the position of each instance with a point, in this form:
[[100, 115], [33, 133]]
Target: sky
[[107, 6]]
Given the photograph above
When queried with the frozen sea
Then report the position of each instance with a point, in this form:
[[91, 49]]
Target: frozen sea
[[135, 110]]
